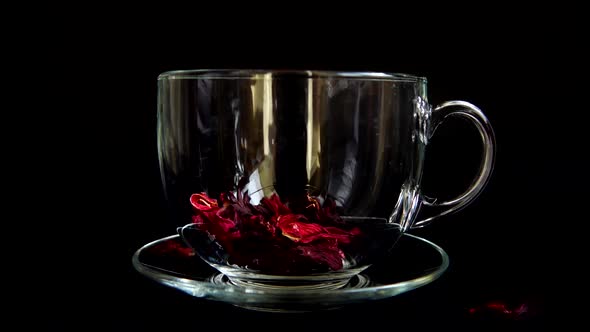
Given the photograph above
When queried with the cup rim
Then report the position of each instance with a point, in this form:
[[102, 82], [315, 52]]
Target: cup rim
[[277, 73]]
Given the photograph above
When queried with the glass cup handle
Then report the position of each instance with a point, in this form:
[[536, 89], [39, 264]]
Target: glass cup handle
[[475, 115]]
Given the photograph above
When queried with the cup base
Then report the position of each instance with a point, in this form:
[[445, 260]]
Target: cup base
[[294, 293], [277, 285], [265, 282]]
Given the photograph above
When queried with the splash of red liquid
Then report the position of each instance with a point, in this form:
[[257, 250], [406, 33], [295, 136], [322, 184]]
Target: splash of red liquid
[[273, 235]]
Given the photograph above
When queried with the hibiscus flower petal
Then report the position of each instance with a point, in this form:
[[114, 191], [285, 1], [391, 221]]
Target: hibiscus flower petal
[[324, 253], [202, 202], [295, 228], [310, 235]]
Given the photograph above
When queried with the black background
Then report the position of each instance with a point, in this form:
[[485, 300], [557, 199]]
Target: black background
[[113, 202]]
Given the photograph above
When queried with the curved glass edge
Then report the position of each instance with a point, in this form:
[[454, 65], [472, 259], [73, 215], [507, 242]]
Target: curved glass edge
[[274, 73], [244, 295]]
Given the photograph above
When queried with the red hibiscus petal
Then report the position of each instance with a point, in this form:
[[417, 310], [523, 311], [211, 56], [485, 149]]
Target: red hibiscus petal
[[341, 235], [175, 248], [214, 224], [249, 234], [325, 253], [226, 224], [275, 205], [202, 202], [294, 227]]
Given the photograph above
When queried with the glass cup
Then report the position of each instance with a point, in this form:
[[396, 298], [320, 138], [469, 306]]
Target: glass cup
[[300, 178]]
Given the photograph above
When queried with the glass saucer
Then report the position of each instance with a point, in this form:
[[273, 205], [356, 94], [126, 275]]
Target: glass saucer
[[414, 262]]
